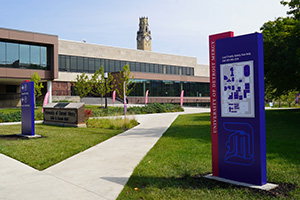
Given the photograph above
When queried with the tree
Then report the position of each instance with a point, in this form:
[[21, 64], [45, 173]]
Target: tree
[[98, 83], [82, 85], [124, 77], [282, 52], [37, 85], [294, 5], [291, 96]]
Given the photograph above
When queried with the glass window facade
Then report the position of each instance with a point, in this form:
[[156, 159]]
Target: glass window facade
[[158, 88], [90, 65], [26, 56]]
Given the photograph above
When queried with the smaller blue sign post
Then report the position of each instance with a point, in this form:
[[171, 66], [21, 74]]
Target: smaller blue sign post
[[27, 107], [241, 114]]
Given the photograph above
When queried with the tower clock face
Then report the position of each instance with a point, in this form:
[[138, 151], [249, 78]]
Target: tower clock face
[[147, 38], [140, 38]]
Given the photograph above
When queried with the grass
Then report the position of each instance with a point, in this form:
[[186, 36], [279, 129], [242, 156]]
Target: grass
[[117, 123], [174, 167], [9, 110], [58, 143]]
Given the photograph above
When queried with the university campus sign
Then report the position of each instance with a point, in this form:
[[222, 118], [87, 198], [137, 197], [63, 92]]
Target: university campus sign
[[27, 108], [237, 108]]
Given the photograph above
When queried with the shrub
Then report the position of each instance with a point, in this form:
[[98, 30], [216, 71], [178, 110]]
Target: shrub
[[117, 123], [10, 117]]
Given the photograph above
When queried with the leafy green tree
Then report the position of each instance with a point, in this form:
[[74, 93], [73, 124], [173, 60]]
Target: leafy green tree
[[124, 76], [37, 85], [98, 83], [294, 5], [282, 52], [82, 85], [291, 96]]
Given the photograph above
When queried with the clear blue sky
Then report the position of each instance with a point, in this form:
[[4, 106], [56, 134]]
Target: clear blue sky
[[178, 27]]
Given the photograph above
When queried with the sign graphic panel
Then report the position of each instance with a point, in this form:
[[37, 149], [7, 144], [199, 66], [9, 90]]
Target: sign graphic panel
[[241, 114], [237, 89]]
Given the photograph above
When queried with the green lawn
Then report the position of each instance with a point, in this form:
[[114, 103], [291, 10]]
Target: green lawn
[[174, 167], [59, 143]]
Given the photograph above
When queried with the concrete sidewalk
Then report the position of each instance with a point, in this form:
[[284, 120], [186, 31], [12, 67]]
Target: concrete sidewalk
[[97, 173]]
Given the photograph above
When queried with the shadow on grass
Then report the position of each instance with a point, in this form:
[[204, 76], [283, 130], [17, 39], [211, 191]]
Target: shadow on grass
[[17, 137], [197, 182]]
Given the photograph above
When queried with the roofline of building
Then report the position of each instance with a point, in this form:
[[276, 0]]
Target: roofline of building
[[8, 29], [123, 48]]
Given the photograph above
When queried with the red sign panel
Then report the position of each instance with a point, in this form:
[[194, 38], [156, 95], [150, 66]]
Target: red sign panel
[[213, 98]]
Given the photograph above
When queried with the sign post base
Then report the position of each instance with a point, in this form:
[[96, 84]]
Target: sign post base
[[266, 187], [29, 136]]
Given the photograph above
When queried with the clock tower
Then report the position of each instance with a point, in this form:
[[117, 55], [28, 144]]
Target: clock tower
[[144, 35]]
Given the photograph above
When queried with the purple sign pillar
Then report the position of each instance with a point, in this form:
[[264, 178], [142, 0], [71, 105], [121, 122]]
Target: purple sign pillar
[[27, 107], [241, 114]]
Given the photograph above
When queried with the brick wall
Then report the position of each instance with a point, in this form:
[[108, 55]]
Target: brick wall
[[61, 88]]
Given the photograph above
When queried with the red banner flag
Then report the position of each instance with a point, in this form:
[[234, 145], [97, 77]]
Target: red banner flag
[[146, 97], [46, 99], [181, 98], [114, 96], [125, 103]]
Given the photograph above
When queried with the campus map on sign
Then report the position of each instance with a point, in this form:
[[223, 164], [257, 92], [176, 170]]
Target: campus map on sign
[[237, 89]]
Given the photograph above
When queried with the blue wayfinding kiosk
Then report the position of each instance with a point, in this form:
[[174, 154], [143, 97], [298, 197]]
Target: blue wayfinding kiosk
[[241, 114], [27, 108]]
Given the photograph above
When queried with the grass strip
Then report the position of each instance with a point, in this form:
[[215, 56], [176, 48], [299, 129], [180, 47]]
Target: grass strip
[[57, 144], [174, 167]]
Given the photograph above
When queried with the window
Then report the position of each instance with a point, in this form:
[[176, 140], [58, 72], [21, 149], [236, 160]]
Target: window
[[132, 66], [123, 63], [117, 65], [73, 64], [106, 66], [156, 68], [183, 70], [35, 52], [188, 71], [160, 69], [80, 64], [151, 68], [12, 54], [91, 65], [67, 63], [86, 64], [102, 63], [176, 70], [138, 67], [97, 64], [62, 63], [143, 67], [2, 54], [169, 88], [111, 66], [44, 57], [24, 56], [168, 69]]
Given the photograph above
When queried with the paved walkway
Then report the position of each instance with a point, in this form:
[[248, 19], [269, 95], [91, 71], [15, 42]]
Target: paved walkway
[[97, 173]]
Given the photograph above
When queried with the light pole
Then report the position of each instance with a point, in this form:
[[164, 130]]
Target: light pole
[[105, 77]]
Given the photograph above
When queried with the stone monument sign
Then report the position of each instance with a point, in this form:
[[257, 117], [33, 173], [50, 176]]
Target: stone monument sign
[[65, 114]]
